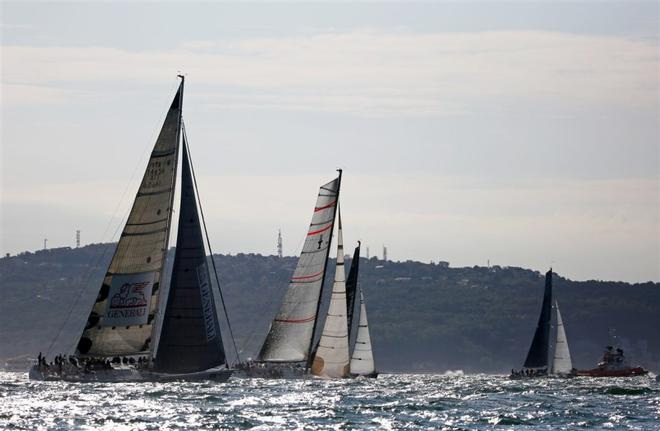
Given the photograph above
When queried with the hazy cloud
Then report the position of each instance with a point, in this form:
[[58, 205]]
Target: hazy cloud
[[364, 73]]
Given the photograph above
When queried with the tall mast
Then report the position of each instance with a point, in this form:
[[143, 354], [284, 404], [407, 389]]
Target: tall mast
[[325, 267], [155, 334]]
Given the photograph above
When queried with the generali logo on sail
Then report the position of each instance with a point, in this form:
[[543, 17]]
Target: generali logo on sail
[[129, 299]]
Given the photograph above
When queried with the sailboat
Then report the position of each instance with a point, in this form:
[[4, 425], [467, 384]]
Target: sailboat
[[362, 358], [129, 335], [536, 363], [331, 359], [287, 350], [561, 361]]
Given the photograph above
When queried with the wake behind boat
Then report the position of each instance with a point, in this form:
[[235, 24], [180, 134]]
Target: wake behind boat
[[128, 337]]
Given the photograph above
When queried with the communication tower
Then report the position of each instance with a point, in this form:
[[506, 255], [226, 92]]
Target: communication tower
[[45, 243], [384, 253], [78, 239], [279, 243]]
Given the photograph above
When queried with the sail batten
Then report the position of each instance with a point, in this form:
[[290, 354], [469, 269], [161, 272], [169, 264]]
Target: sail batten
[[537, 357], [291, 333], [122, 317]]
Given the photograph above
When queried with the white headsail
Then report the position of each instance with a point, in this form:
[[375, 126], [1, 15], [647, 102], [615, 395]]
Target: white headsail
[[362, 362], [331, 359], [561, 363], [290, 335]]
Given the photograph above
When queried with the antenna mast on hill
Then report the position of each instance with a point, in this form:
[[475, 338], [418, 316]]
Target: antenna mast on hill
[[78, 238], [384, 253], [279, 244], [45, 243]]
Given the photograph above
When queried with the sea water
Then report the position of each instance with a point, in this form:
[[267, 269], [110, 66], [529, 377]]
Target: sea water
[[452, 402]]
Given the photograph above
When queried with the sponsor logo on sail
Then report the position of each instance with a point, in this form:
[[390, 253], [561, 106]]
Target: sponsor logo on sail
[[207, 302], [129, 299]]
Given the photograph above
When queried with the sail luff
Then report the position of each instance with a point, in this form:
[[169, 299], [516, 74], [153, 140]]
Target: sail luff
[[561, 363], [122, 316], [362, 360], [331, 359], [292, 331], [537, 357]]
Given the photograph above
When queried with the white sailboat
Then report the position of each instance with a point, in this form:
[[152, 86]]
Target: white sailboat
[[287, 350], [121, 340], [331, 358], [561, 362], [362, 360]]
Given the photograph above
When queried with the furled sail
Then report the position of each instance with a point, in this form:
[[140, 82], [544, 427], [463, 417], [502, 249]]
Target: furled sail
[[362, 361], [122, 316], [331, 358], [351, 288], [291, 333], [561, 363], [190, 338], [537, 357]]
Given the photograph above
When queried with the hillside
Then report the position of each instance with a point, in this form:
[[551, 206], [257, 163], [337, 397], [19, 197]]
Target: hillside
[[423, 317]]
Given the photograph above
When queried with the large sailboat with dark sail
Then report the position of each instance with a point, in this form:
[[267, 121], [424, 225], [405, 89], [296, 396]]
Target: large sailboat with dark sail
[[537, 362], [137, 329]]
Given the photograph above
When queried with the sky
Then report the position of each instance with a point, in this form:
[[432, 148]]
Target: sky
[[516, 133]]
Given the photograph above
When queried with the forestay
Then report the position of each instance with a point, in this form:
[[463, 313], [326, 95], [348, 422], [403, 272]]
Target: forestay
[[190, 338], [331, 359], [561, 363], [290, 335], [537, 357], [362, 361], [121, 319]]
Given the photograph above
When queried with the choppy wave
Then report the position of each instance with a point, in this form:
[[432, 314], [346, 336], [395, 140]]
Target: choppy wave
[[449, 402]]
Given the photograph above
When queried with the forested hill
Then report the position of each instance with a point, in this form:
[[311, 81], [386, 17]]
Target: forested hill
[[423, 317]]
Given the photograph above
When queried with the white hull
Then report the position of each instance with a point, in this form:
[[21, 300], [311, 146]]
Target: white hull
[[131, 375]]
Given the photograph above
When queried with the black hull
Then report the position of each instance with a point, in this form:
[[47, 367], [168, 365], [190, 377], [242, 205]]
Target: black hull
[[274, 370], [219, 375], [373, 375]]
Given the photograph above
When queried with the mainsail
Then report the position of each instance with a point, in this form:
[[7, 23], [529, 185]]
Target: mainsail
[[190, 338], [291, 333], [362, 361], [122, 316], [561, 363], [537, 357], [331, 358], [351, 288]]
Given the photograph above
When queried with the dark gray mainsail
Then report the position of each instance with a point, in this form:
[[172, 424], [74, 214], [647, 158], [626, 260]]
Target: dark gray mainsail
[[291, 333], [537, 357], [190, 338], [122, 316], [351, 287]]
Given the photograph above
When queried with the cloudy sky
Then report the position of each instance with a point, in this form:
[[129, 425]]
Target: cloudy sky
[[526, 134]]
